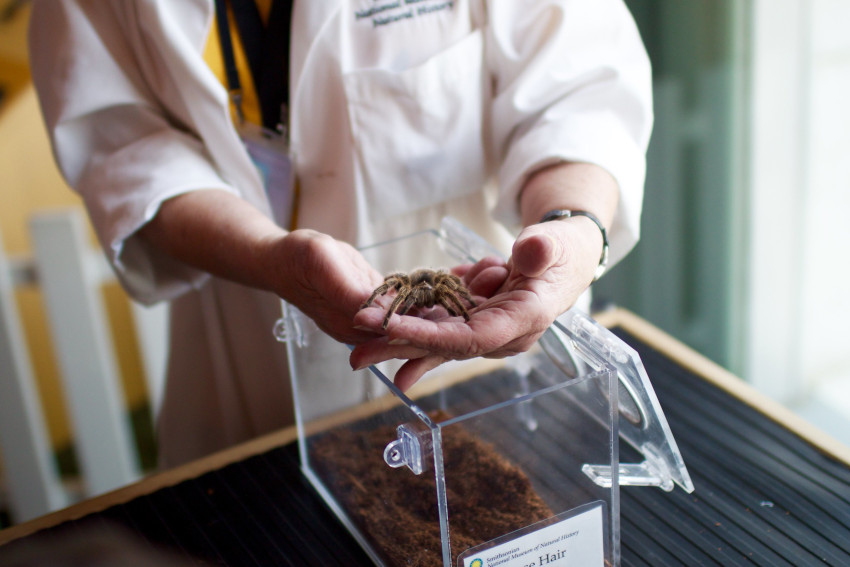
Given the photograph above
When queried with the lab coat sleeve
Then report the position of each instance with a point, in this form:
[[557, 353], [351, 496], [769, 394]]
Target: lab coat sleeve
[[572, 82], [115, 144]]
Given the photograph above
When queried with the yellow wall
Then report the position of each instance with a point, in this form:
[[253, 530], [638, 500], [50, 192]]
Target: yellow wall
[[29, 181]]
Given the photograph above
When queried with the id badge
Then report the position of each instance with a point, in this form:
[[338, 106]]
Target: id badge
[[273, 159]]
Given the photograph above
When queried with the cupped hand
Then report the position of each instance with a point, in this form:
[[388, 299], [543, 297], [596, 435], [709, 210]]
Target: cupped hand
[[327, 280], [551, 265]]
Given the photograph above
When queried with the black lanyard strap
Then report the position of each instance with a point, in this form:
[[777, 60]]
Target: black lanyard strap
[[234, 85], [267, 50]]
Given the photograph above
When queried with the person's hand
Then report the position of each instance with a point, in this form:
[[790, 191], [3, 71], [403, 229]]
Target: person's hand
[[327, 280], [551, 265]]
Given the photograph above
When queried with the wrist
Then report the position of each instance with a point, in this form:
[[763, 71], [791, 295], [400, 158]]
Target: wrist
[[577, 215], [282, 255]]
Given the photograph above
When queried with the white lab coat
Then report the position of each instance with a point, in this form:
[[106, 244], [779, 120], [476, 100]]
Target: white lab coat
[[401, 113]]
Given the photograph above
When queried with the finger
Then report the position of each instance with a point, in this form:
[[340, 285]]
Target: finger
[[370, 318], [355, 336], [487, 282], [453, 338], [449, 336], [380, 350], [412, 370], [469, 271], [340, 328], [519, 345], [461, 269], [495, 323]]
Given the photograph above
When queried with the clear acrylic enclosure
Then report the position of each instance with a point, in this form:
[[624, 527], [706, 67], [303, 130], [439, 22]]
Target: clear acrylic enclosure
[[482, 463]]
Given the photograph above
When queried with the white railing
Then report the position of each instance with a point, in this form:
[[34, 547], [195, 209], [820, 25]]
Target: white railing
[[70, 275]]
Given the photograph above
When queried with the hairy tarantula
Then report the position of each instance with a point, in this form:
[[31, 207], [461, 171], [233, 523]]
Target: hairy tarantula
[[423, 288]]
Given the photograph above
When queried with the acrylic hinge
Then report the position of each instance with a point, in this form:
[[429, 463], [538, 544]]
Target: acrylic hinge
[[279, 331], [291, 333], [640, 474], [411, 448]]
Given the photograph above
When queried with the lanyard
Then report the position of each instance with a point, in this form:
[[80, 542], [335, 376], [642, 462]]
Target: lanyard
[[267, 50]]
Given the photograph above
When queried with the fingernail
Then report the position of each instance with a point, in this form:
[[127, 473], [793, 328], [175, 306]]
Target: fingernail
[[398, 342], [361, 328]]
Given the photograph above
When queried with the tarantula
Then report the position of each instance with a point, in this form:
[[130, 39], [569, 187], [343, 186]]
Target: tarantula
[[423, 288]]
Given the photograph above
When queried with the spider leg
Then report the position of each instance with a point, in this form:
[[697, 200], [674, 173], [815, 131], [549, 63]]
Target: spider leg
[[449, 307], [399, 299], [392, 281], [455, 284], [466, 295], [380, 290], [407, 304], [452, 298]]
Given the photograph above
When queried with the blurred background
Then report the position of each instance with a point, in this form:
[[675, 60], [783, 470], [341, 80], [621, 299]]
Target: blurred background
[[744, 245]]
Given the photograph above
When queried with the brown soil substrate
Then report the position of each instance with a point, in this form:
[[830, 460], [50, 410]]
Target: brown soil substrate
[[396, 510]]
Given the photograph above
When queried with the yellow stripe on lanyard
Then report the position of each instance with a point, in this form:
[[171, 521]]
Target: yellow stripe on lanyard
[[213, 58]]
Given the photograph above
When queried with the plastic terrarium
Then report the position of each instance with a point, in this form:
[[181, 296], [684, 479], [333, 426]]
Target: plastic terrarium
[[482, 463]]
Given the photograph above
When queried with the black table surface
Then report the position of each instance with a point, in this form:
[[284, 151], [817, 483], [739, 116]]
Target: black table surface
[[764, 496]]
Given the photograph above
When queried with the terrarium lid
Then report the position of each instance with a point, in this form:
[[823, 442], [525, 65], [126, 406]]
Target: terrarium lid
[[643, 424], [642, 421]]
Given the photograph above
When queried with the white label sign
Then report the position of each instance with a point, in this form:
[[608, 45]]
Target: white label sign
[[575, 541]]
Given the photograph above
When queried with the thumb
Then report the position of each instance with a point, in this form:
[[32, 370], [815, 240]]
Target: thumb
[[535, 253]]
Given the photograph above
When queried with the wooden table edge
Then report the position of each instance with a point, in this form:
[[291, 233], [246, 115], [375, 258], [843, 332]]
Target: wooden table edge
[[152, 483], [723, 379]]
